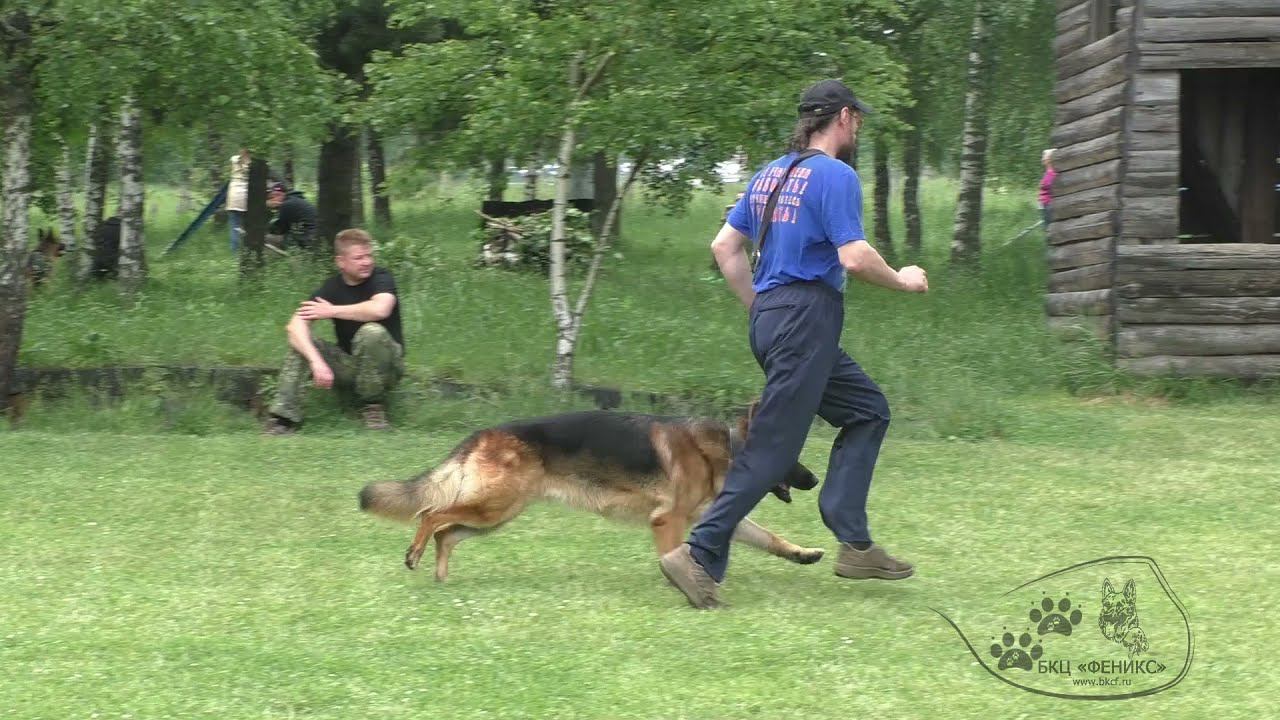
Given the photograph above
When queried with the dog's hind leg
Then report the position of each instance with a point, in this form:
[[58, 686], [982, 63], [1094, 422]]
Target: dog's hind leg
[[749, 533], [448, 538]]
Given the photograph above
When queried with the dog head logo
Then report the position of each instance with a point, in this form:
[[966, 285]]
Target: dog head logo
[[1118, 618]]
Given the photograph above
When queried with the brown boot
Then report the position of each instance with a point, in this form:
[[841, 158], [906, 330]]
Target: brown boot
[[689, 578], [873, 562], [375, 417]]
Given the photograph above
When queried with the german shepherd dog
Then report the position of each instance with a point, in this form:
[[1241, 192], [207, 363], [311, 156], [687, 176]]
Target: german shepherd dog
[[1118, 618], [41, 261], [642, 468]]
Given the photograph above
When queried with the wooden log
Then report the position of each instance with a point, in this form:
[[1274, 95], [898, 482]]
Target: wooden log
[[1157, 119], [1153, 141], [1206, 256], [1092, 55], [1099, 326], [1084, 227], [1189, 56], [1199, 310], [1089, 152], [1091, 104], [1089, 302], [1195, 283], [1244, 367], [1105, 75], [1071, 18], [1081, 254], [1090, 277], [1124, 20], [1087, 178], [1170, 30], [1146, 340], [1161, 229], [1153, 161], [1127, 240], [1154, 89], [1151, 216], [1068, 42], [1144, 185], [1089, 128], [1086, 202], [1064, 5], [1216, 8]]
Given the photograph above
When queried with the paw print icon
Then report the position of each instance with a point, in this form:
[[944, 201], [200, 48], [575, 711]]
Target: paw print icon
[[1059, 618]]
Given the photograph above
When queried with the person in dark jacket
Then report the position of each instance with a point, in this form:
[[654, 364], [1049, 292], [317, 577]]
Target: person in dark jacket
[[295, 221]]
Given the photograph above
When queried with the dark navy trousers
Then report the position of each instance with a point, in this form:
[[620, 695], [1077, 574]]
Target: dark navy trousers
[[795, 336]]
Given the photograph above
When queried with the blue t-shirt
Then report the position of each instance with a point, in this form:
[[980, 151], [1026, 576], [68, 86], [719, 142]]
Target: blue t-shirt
[[819, 210]]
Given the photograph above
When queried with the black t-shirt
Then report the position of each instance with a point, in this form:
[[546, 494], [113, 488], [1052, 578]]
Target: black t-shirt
[[338, 292]]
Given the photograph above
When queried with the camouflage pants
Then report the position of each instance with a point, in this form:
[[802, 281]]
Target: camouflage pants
[[371, 370]]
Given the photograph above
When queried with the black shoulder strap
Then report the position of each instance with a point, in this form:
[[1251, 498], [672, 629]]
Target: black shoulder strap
[[767, 220]]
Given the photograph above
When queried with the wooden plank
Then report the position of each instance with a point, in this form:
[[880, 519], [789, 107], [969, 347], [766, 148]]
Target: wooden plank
[[1153, 141], [1216, 8], [1153, 161], [1126, 240], [1169, 30], [1160, 229], [1144, 185], [1145, 340], [1065, 5], [1199, 310], [1186, 56], [1092, 55], [1203, 256], [1084, 227], [1089, 302], [1150, 216], [1086, 202], [1196, 283], [1154, 89], [1090, 152], [1086, 178], [1081, 254], [1090, 277], [1089, 128], [1105, 75], [1091, 104], [1157, 119], [1068, 42], [1124, 19], [1245, 367]]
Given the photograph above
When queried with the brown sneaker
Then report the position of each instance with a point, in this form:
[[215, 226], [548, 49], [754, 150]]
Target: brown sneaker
[[873, 562], [689, 578], [276, 426], [375, 417]]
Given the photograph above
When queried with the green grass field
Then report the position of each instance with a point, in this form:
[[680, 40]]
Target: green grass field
[[232, 577], [162, 560]]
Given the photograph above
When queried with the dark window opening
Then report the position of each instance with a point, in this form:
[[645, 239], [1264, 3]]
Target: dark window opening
[[1229, 180]]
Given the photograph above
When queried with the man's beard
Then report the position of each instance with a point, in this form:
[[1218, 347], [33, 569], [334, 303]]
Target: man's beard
[[845, 152]]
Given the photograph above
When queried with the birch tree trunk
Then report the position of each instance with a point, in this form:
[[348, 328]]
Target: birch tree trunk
[[378, 179], [966, 238], [911, 192], [67, 220], [883, 237], [357, 184], [14, 228], [97, 173], [133, 260]]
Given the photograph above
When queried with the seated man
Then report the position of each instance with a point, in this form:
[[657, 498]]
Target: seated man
[[295, 220], [369, 357]]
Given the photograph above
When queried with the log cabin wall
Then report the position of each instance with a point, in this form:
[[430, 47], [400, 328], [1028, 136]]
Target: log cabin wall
[[1095, 55], [1206, 309]]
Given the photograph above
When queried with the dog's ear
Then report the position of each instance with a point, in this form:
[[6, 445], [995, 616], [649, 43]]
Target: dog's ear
[[1107, 588], [1130, 592], [782, 492]]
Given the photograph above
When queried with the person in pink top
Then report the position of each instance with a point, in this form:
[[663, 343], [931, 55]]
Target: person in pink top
[[1046, 186]]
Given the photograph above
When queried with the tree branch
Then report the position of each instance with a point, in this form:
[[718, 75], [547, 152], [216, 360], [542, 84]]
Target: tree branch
[[595, 76], [606, 236]]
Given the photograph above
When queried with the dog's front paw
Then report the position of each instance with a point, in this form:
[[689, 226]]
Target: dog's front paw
[[807, 556], [411, 558]]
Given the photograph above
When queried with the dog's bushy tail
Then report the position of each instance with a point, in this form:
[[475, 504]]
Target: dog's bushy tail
[[403, 501]]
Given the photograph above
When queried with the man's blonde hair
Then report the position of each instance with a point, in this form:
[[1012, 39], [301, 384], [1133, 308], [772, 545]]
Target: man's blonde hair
[[349, 238]]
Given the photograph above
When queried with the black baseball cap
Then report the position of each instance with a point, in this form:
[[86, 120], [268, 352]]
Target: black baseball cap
[[828, 97]]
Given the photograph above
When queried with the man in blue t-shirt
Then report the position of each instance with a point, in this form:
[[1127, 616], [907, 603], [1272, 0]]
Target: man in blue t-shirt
[[814, 238]]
